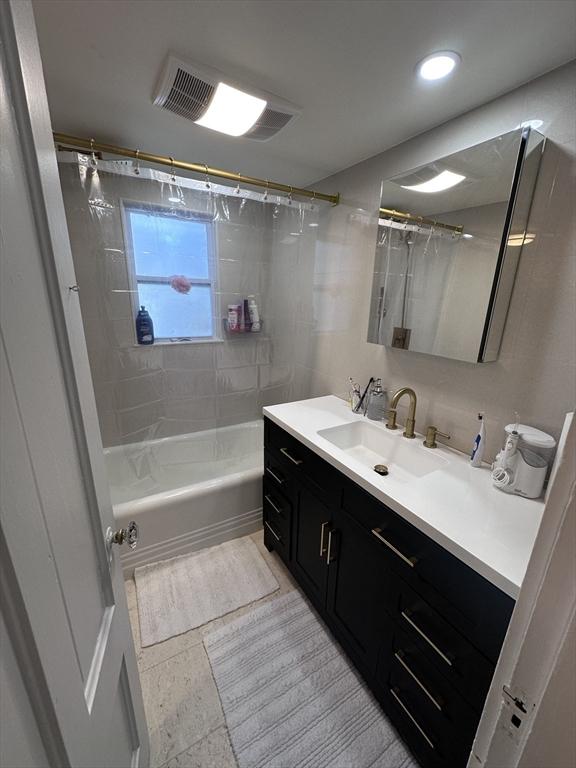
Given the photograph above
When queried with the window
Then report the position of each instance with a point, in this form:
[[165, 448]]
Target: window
[[172, 267]]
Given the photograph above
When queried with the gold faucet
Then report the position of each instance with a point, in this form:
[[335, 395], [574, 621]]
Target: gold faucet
[[392, 413]]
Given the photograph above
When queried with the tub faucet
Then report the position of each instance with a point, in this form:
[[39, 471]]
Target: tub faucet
[[392, 412]]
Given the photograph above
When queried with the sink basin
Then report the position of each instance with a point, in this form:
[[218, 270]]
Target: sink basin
[[371, 445]]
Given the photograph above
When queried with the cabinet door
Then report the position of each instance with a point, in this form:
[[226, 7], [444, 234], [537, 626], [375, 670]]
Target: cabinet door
[[310, 543], [359, 588]]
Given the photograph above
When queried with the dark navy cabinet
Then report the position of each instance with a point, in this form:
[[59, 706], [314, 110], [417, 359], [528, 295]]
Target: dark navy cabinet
[[422, 628]]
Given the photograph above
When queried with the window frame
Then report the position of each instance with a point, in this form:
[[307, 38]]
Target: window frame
[[133, 279]]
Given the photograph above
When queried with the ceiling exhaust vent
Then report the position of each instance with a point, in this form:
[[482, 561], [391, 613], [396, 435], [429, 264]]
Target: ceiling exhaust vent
[[187, 89]]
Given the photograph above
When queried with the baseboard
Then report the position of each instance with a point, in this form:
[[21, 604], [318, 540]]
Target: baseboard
[[209, 536]]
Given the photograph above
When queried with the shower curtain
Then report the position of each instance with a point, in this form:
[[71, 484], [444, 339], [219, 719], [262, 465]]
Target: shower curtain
[[186, 249], [411, 269]]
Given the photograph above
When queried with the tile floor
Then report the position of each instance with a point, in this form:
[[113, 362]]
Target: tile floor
[[185, 718]]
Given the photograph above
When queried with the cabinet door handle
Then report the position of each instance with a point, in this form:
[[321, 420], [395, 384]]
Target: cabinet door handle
[[279, 480], [272, 531], [411, 561], [400, 656], [322, 547], [274, 507], [329, 558], [423, 733], [432, 644], [292, 459]]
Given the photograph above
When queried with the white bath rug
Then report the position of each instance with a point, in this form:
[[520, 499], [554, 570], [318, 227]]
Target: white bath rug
[[185, 592], [292, 699]]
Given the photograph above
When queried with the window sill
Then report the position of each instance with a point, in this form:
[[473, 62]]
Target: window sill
[[178, 342]]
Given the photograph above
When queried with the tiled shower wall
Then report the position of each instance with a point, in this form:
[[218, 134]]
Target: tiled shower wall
[[536, 370], [147, 392]]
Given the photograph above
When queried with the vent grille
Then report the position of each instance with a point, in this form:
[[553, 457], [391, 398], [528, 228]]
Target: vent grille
[[186, 89], [189, 96], [269, 123]]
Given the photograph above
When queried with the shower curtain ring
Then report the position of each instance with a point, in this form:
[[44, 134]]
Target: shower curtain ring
[[172, 177], [207, 176], [93, 158], [266, 191], [238, 185], [290, 196], [313, 199], [137, 166]]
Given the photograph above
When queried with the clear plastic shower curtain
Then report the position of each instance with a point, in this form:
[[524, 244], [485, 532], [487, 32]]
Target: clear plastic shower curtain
[[187, 249]]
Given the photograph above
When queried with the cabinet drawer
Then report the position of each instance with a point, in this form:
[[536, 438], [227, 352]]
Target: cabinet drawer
[[276, 475], [450, 653], [274, 539], [302, 464], [277, 509], [438, 701], [479, 610]]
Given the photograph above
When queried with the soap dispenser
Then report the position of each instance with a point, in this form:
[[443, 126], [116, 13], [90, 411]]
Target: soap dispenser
[[378, 402]]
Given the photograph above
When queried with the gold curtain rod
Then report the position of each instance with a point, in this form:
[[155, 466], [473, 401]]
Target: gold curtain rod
[[112, 149], [392, 214]]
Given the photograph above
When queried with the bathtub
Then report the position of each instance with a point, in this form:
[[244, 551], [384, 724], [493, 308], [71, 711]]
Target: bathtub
[[187, 492]]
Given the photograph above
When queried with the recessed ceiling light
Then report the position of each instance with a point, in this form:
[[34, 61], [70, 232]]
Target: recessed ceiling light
[[232, 111], [438, 65], [468, 236], [531, 124], [442, 181], [522, 239], [313, 224]]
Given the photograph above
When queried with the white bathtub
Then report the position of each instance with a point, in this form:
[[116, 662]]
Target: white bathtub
[[187, 492]]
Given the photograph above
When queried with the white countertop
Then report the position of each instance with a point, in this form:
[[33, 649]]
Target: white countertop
[[456, 505]]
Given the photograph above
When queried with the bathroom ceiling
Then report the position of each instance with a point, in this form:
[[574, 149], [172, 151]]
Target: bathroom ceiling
[[350, 67]]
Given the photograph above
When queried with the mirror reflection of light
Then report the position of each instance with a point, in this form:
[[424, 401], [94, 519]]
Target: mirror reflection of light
[[521, 239], [467, 236], [531, 124], [442, 181]]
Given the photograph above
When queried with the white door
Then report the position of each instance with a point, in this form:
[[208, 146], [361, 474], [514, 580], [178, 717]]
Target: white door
[[61, 590]]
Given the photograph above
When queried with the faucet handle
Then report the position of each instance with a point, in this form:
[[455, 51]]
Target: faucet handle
[[431, 434]]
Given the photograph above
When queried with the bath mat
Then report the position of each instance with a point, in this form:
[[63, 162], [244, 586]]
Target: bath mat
[[185, 592], [291, 698]]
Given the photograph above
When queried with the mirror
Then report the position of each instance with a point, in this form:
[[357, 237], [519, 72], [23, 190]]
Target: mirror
[[450, 235]]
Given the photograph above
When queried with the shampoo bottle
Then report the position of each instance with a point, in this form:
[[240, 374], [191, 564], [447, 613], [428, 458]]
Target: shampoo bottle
[[479, 440], [144, 327]]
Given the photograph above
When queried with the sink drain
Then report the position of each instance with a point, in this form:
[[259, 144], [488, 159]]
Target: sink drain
[[381, 469]]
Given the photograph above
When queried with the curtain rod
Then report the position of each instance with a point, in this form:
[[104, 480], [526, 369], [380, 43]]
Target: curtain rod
[[136, 154], [392, 214]]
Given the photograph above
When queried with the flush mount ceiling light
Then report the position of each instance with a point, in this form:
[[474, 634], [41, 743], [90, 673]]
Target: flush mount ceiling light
[[442, 181], [214, 100], [438, 65], [232, 111]]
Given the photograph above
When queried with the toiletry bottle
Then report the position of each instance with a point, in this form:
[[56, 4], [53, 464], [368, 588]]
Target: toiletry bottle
[[377, 403], [144, 327], [233, 317], [253, 314], [246, 325], [479, 441]]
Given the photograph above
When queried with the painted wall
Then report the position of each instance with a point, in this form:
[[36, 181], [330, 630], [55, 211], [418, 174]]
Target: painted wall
[[536, 370]]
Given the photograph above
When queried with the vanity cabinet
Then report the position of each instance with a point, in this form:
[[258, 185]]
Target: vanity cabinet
[[423, 628]]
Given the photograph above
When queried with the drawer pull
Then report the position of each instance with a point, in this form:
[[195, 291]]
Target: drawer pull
[[292, 459], [272, 531], [322, 547], [430, 643], [400, 656], [279, 480], [411, 561], [274, 507], [394, 693], [329, 558]]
